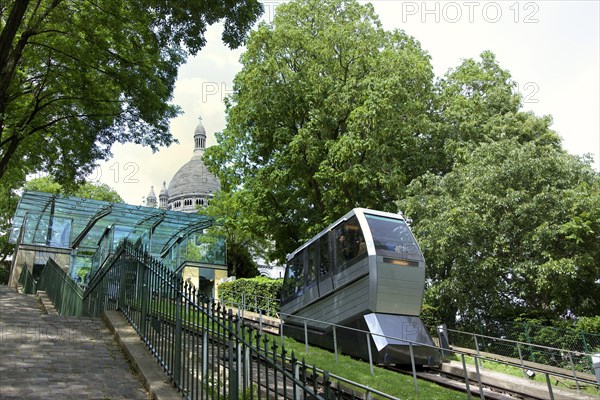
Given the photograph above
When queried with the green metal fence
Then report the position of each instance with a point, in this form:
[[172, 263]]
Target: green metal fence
[[66, 296], [206, 351], [26, 280]]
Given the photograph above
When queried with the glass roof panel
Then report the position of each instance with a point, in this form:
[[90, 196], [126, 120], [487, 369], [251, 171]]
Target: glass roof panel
[[91, 217]]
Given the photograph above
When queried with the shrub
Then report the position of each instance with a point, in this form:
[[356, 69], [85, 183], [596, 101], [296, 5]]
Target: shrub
[[259, 293]]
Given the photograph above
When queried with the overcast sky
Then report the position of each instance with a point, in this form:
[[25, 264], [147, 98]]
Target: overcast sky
[[551, 49]]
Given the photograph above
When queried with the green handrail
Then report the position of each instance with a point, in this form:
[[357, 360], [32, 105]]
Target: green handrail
[[26, 280], [66, 296]]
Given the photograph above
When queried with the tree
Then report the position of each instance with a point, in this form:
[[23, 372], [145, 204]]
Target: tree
[[325, 116], [232, 223], [477, 102], [77, 76], [86, 190], [511, 231]]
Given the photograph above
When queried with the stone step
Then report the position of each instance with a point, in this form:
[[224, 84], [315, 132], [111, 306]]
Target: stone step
[[46, 303]]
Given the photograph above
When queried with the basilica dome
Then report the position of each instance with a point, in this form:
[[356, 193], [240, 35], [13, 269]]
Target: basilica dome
[[192, 185], [192, 180]]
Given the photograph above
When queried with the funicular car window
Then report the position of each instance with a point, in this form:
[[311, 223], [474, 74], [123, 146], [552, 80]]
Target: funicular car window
[[294, 276], [391, 235], [312, 260], [324, 256], [349, 243]]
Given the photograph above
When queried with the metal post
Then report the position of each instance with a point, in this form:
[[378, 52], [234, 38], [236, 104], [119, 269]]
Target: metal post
[[549, 386], [477, 348], [521, 359], [204, 355], [247, 361], [414, 369], [233, 381], [466, 373], [370, 355], [441, 346], [177, 343], [144, 313], [335, 344], [305, 337], [297, 376], [479, 378], [243, 303], [260, 322], [573, 369], [240, 369]]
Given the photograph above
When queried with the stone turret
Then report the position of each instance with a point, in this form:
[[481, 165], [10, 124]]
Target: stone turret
[[163, 196], [151, 198]]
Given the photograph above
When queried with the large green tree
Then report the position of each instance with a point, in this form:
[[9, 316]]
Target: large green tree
[[85, 190], [325, 116], [512, 230], [77, 76], [477, 102], [235, 224]]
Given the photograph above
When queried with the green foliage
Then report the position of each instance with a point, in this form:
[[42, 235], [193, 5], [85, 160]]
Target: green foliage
[[259, 292], [511, 230], [86, 190], [4, 273], [477, 103], [324, 95], [429, 315], [227, 208], [8, 205], [78, 76], [589, 325]]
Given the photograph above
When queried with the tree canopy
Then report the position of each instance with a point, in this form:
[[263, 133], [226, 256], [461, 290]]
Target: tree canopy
[[234, 224], [86, 190], [324, 95], [331, 112], [511, 231], [77, 76]]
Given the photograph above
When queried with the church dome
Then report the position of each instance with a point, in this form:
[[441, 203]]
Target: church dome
[[193, 185], [193, 179]]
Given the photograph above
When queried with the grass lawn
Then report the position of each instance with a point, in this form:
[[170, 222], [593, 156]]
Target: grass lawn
[[392, 383]]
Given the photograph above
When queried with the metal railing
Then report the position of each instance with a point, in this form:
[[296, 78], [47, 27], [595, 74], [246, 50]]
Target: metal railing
[[479, 358], [65, 295], [206, 351], [526, 352], [575, 361], [26, 280]]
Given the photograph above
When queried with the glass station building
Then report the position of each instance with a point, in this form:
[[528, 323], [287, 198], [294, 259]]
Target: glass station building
[[80, 235]]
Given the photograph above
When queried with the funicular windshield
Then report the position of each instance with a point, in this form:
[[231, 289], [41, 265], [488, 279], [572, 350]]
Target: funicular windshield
[[294, 276], [392, 237]]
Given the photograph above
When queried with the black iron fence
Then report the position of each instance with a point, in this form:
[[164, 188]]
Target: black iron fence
[[27, 282], [206, 350]]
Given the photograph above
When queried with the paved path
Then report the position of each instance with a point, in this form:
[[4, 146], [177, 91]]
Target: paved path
[[54, 357]]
